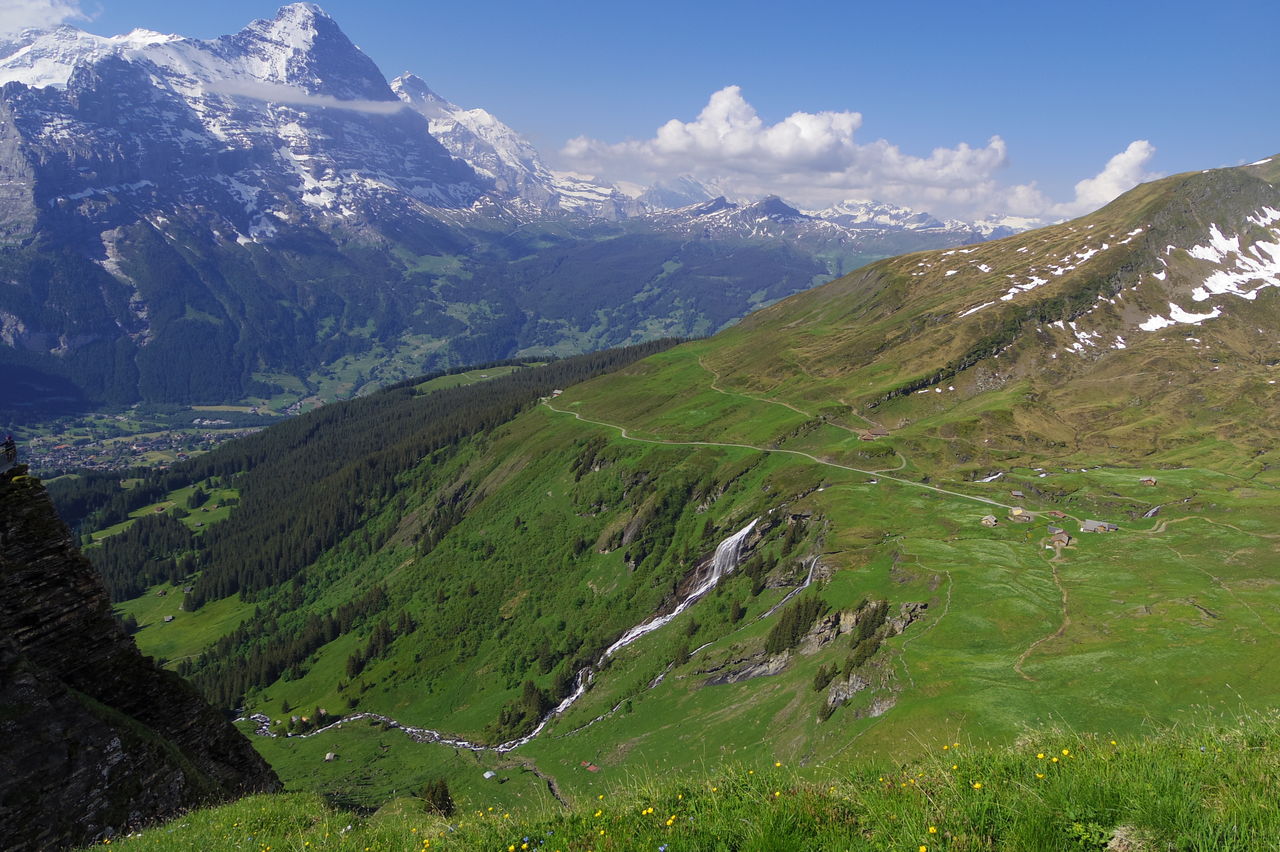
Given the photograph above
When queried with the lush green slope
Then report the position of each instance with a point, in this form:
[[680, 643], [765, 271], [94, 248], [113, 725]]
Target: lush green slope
[[1188, 788], [465, 584]]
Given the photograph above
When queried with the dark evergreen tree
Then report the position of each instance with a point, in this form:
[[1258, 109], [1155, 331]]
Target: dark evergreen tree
[[436, 795]]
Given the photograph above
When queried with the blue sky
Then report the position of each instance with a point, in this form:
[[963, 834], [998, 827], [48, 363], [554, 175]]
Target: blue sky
[[1065, 87]]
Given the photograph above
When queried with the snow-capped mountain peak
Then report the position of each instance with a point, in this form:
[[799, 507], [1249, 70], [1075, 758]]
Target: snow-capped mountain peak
[[475, 135], [857, 214], [674, 193], [414, 91], [302, 46], [41, 58], [495, 150]]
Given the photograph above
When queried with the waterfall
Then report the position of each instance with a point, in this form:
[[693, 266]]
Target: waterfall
[[723, 562], [808, 581]]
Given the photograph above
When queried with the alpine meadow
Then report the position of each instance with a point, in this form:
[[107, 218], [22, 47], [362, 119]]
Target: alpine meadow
[[972, 547]]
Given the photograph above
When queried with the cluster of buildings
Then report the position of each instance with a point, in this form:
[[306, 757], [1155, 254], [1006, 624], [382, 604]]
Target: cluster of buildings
[[50, 455], [1058, 536]]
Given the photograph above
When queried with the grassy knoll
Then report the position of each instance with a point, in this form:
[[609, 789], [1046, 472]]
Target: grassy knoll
[[190, 632], [216, 507], [1194, 786], [453, 380]]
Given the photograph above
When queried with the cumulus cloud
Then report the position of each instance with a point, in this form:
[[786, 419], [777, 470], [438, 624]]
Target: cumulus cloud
[[816, 159], [1123, 172], [19, 14], [280, 93]]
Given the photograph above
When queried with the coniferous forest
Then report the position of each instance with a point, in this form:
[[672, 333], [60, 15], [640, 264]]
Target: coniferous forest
[[304, 485]]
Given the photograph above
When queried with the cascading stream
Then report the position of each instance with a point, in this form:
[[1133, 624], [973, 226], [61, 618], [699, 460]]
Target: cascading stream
[[723, 563]]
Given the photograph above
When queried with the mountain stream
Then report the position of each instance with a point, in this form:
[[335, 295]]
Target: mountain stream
[[722, 563]]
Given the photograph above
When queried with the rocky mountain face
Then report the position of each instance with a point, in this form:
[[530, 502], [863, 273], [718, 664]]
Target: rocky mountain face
[[283, 122], [97, 737], [179, 214]]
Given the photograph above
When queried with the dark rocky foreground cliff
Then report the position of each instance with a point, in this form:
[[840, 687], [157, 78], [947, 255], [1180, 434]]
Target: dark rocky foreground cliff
[[94, 737]]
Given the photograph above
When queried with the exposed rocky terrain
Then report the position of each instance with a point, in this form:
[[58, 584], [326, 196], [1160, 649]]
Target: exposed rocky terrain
[[97, 738]]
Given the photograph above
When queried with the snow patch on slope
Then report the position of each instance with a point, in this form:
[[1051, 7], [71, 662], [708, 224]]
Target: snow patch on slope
[[1241, 272]]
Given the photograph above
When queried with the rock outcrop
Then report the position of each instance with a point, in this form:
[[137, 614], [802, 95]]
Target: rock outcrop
[[94, 737]]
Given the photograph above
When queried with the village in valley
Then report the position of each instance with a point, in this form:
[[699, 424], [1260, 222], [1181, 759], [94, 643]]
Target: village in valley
[[152, 437]]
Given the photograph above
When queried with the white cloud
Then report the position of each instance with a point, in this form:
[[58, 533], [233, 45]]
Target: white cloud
[[279, 93], [815, 159], [1123, 172], [20, 14]]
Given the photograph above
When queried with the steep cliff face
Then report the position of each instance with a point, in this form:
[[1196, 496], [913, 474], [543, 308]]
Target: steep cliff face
[[94, 737]]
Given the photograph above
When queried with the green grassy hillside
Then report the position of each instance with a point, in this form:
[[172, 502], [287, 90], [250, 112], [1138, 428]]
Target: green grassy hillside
[[1194, 787], [457, 582]]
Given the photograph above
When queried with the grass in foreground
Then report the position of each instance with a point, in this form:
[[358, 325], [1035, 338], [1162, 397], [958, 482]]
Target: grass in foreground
[[1194, 788]]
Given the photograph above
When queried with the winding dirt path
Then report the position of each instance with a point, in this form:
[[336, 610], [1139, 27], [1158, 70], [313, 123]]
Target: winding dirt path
[[622, 430], [715, 386], [946, 608], [1062, 628]]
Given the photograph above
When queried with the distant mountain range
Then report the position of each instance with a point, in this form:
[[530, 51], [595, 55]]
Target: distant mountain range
[[260, 214]]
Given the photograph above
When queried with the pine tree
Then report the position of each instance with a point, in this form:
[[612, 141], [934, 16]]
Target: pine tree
[[436, 794]]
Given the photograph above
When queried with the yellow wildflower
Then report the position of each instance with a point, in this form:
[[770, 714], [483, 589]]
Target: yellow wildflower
[[977, 785], [933, 829]]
